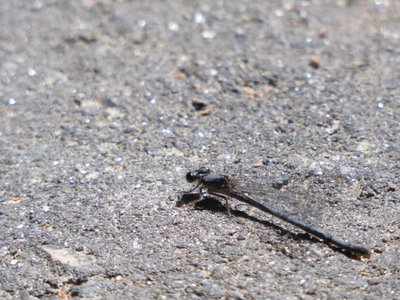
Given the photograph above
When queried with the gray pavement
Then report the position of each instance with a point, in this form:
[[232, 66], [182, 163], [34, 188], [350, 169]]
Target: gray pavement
[[105, 105]]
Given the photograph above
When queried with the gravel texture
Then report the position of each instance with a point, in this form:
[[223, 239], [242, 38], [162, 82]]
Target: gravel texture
[[105, 105]]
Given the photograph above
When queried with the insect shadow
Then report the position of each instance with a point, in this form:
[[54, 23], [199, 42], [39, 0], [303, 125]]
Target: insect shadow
[[213, 204]]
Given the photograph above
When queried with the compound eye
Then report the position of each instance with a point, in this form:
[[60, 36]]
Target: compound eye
[[191, 177]]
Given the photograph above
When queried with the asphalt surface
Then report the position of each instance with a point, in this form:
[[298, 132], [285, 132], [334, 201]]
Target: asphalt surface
[[105, 105]]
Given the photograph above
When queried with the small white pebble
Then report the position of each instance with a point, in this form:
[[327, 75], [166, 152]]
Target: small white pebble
[[32, 72], [173, 26], [142, 23], [208, 34], [199, 18]]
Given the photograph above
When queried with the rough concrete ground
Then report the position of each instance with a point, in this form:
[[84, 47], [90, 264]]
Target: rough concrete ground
[[105, 105]]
